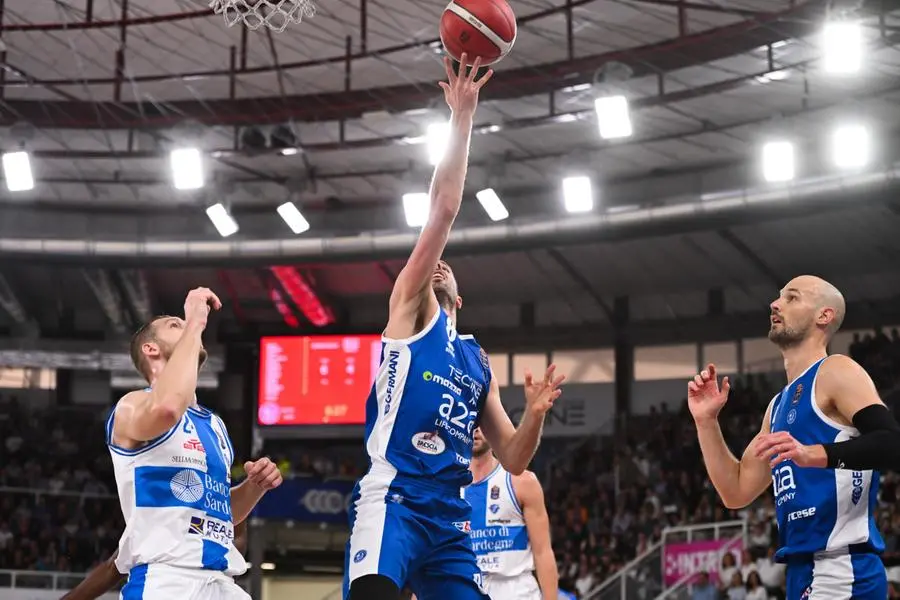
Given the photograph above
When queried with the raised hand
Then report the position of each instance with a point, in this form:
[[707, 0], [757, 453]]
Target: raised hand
[[705, 397], [461, 91], [198, 303], [263, 473], [540, 395]]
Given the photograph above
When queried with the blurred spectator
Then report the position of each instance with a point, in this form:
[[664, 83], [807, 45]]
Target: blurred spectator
[[703, 589], [736, 589], [755, 589]]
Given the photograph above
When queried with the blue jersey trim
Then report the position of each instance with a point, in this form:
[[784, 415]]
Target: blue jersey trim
[[151, 444], [486, 477], [512, 493]]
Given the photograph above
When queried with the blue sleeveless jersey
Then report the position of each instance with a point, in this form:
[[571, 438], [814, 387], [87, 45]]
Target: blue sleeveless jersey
[[819, 510], [424, 404]]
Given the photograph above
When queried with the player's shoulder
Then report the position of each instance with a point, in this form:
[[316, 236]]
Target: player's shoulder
[[132, 398], [838, 366], [525, 482]]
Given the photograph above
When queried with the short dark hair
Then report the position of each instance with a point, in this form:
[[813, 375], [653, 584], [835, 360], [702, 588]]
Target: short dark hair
[[146, 333]]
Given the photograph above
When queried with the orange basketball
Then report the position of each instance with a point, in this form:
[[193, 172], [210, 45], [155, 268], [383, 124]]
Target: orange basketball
[[485, 28]]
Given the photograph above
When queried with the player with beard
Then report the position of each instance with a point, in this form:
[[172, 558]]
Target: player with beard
[[822, 442], [172, 461], [433, 385], [510, 529]]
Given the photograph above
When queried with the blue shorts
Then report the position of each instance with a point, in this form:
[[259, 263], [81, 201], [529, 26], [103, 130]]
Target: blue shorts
[[856, 576], [414, 533]]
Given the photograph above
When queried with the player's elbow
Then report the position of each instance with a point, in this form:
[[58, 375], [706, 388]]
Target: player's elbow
[[735, 502], [444, 207], [514, 467]]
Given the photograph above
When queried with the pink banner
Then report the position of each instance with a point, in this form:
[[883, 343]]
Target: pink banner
[[681, 560]]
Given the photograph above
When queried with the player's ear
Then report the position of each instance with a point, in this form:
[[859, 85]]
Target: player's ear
[[150, 349], [826, 316], [458, 302]]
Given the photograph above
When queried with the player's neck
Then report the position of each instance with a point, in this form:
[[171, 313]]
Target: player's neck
[[481, 466], [799, 358]]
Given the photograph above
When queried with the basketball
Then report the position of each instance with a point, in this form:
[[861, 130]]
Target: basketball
[[480, 28]]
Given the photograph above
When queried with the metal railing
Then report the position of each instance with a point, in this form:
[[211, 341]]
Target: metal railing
[[39, 580], [643, 577], [634, 580], [47, 492], [680, 590]]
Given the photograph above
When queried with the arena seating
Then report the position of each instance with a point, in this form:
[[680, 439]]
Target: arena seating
[[609, 499]]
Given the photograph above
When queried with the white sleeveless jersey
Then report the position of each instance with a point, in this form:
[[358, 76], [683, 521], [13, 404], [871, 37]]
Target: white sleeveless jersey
[[498, 532], [175, 494]]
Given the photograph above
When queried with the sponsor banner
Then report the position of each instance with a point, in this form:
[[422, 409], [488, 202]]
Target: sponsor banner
[[684, 559], [307, 499], [583, 409]]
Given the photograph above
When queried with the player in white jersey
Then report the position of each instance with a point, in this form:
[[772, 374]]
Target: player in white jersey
[[510, 530], [172, 460]]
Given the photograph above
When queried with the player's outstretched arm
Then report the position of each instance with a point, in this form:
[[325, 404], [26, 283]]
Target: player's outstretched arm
[[531, 500], [846, 393], [514, 446], [412, 298], [103, 578], [145, 415], [738, 482]]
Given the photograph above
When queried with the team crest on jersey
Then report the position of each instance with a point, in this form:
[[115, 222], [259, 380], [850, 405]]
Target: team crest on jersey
[[792, 416], [495, 492], [797, 393], [494, 508]]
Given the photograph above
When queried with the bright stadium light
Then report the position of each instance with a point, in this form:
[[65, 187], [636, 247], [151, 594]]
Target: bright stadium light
[[842, 45], [851, 146], [293, 217], [578, 194], [437, 136], [492, 204], [187, 168], [223, 222], [778, 161], [613, 117], [416, 206], [17, 171]]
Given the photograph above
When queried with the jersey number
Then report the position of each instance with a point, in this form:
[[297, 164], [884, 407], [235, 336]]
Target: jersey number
[[446, 411]]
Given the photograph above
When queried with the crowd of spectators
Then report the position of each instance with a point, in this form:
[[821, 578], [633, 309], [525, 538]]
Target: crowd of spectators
[[609, 500], [612, 498], [57, 512]]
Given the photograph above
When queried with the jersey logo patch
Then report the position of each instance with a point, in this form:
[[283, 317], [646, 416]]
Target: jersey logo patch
[[792, 416], [494, 508], [196, 526], [186, 486], [428, 443], [194, 444], [495, 492], [359, 556], [797, 393]]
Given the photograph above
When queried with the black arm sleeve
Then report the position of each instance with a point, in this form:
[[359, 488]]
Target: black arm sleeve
[[876, 448]]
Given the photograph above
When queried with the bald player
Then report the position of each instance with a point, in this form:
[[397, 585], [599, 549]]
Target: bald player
[[822, 442]]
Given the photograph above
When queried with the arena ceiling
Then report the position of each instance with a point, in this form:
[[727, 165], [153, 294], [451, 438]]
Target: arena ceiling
[[99, 91]]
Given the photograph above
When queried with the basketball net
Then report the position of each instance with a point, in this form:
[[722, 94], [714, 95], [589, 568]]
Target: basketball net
[[274, 14]]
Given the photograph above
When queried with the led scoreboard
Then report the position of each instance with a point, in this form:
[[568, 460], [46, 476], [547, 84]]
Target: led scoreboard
[[316, 380]]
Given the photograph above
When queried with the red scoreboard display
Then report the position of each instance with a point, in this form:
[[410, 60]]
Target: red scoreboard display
[[316, 380]]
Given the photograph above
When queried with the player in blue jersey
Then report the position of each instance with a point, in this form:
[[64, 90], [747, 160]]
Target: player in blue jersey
[[409, 524], [822, 442], [172, 460]]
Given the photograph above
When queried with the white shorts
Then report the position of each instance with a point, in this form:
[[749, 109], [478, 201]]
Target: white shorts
[[163, 582], [520, 587]]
